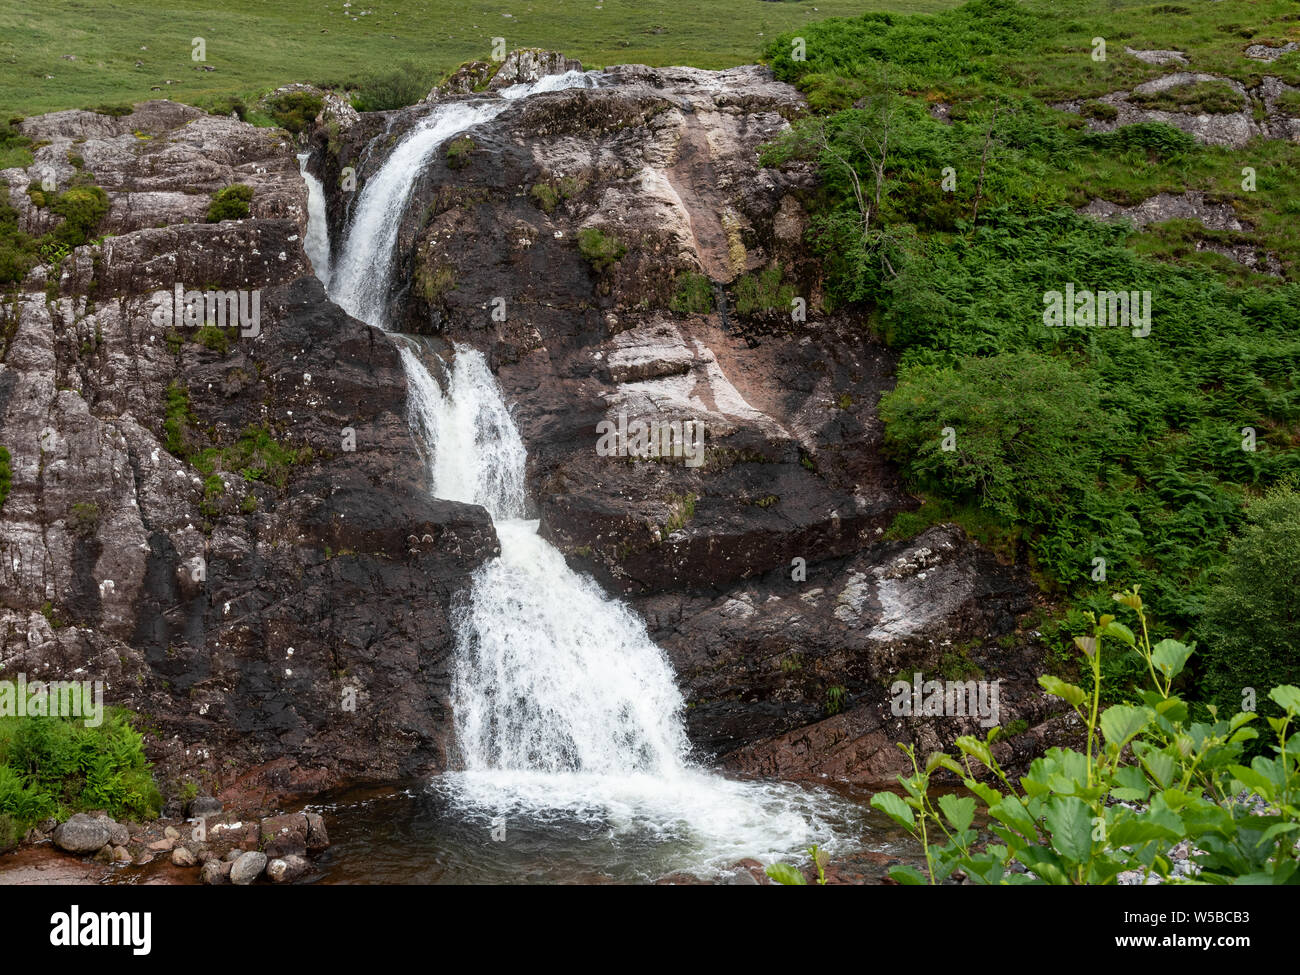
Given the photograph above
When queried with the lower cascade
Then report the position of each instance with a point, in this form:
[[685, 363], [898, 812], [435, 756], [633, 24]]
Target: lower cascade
[[567, 715]]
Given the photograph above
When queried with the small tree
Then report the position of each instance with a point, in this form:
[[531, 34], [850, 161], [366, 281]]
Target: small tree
[[1019, 433]]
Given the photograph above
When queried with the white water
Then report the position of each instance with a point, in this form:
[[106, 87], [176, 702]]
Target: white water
[[564, 708], [365, 267], [317, 241]]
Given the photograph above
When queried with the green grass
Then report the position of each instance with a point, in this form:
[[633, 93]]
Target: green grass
[[256, 46]]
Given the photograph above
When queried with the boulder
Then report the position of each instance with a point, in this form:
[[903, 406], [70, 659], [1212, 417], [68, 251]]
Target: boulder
[[317, 838], [215, 873], [247, 868], [81, 834], [288, 869], [283, 836], [204, 807]]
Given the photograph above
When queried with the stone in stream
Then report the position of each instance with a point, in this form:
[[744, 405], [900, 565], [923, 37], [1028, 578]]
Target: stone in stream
[[215, 872], [247, 868], [288, 869]]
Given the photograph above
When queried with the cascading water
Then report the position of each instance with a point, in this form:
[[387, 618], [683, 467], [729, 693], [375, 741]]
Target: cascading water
[[317, 241], [365, 267], [566, 712]]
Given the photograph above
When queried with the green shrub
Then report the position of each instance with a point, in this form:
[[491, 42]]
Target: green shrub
[[1156, 139], [1104, 111], [295, 111], [230, 203], [177, 419], [84, 518], [1251, 626], [116, 111], [255, 456], [82, 208], [693, 295], [15, 148], [1026, 432], [763, 292], [602, 251], [213, 337], [1149, 779], [404, 85], [545, 196], [223, 105], [548, 194], [431, 283]]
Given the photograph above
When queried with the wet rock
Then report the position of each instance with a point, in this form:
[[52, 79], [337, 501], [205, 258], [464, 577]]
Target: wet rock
[[118, 834], [288, 869], [317, 837], [204, 807], [284, 835], [182, 857], [81, 834], [247, 868], [216, 873]]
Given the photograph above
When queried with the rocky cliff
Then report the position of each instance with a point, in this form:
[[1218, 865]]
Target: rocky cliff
[[620, 256]]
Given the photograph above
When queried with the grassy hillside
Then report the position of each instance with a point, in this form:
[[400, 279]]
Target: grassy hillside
[[255, 45], [1071, 445]]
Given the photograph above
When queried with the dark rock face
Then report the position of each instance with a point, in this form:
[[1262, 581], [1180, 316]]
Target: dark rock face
[[665, 162], [275, 624]]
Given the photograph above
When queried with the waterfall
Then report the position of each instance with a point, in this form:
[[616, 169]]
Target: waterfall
[[365, 266], [317, 241], [565, 710]]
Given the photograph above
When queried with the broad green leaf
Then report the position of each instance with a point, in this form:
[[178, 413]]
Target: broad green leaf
[[960, 812], [1011, 812], [1287, 697], [1169, 656], [894, 808], [976, 749], [1121, 722], [1046, 864], [1135, 830], [990, 795], [785, 874], [1277, 829], [1070, 822], [1071, 694], [1159, 766], [943, 760], [908, 876], [1120, 632], [1130, 784]]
